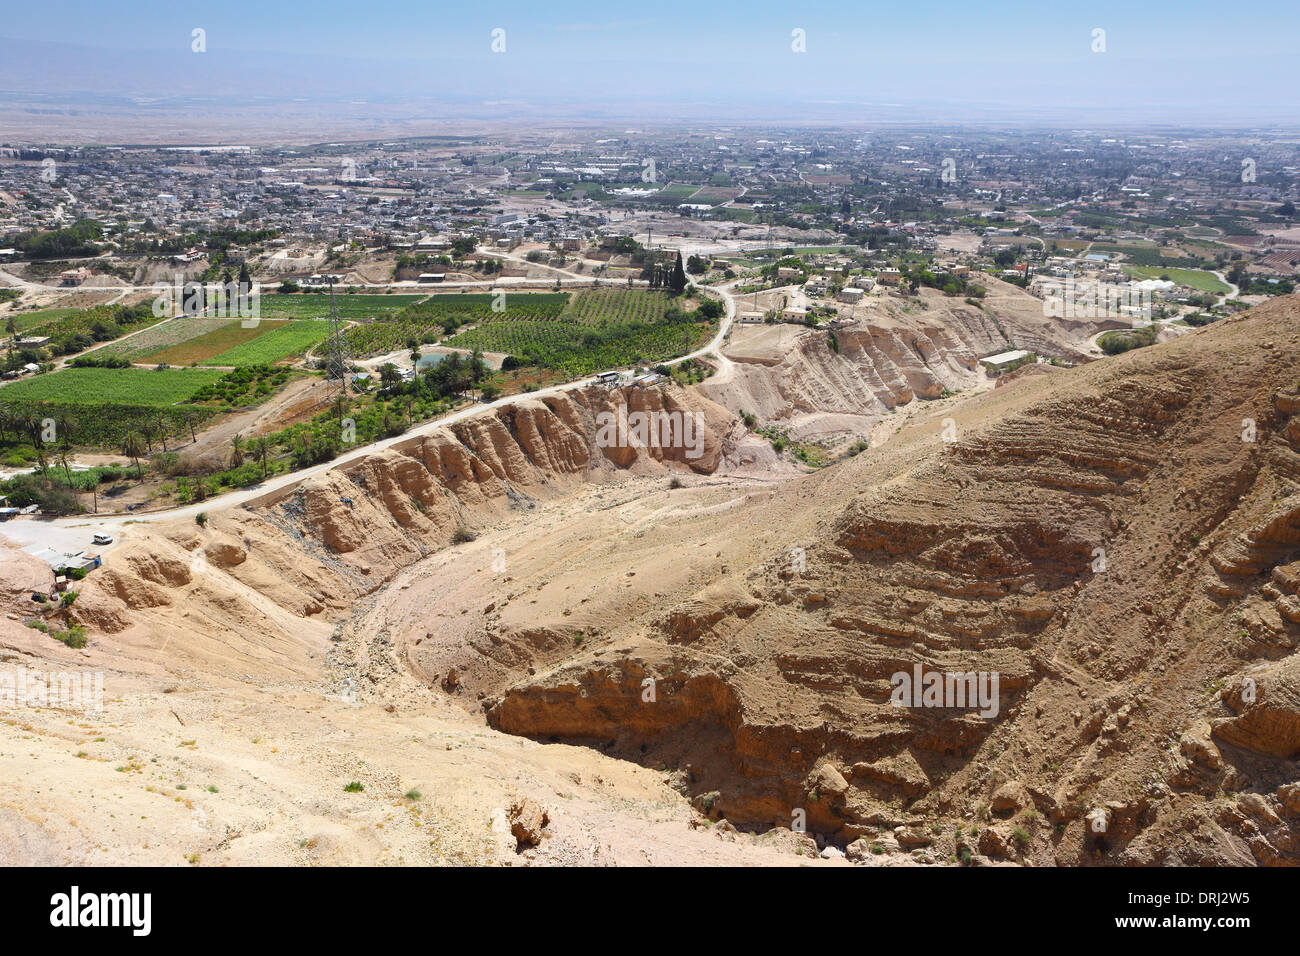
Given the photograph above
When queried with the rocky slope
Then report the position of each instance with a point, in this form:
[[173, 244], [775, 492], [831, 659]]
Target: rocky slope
[[898, 349], [362, 522], [1103, 539], [241, 693], [1119, 543]]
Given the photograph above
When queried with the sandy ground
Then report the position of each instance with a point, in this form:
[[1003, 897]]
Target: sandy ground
[[256, 776], [238, 751], [32, 533]]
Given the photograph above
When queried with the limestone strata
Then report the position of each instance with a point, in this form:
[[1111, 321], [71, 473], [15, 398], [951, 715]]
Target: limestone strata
[[1064, 541]]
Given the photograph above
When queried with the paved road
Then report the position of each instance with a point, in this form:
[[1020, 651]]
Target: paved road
[[74, 533]]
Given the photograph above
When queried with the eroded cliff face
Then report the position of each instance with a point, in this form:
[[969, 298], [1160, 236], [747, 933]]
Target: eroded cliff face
[[319, 546], [1103, 540], [897, 350]]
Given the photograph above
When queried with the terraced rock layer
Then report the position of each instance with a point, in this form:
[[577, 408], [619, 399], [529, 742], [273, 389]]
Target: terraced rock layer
[[1103, 539]]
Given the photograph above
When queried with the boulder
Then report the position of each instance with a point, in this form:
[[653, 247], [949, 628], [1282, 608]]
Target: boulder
[[1009, 798], [828, 781], [912, 836], [527, 819]]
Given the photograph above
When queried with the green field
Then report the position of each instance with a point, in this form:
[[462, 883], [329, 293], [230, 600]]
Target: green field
[[439, 315], [111, 386], [163, 336], [310, 305], [1194, 278], [608, 327], [279, 342], [780, 252], [1145, 254], [1065, 245], [735, 214], [30, 320], [226, 341]]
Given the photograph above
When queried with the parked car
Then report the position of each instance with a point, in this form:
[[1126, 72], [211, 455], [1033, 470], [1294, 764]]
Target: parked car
[[103, 539]]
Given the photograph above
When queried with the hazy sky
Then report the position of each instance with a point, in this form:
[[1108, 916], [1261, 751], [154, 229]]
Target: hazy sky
[[1188, 60]]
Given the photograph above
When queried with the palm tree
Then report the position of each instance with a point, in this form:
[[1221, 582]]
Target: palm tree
[[147, 430], [260, 450], [163, 424], [29, 423], [66, 427], [237, 450], [133, 448], [66, 465]]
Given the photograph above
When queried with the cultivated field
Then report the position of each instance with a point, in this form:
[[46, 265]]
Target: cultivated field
[[315, 306], [427, 321], [599, 328], [233, 344], [107, 386], [30, 320], [277, 341], [163, 336], [1196, 279]]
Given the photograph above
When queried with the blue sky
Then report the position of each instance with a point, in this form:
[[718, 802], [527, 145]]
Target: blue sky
[[1183, 58]]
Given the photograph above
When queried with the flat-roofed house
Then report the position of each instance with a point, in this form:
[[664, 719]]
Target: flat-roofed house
[[1006, 361]]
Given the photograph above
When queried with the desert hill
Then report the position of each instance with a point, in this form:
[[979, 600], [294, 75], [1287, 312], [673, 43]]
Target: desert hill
[[1102, 538], [455, 612]]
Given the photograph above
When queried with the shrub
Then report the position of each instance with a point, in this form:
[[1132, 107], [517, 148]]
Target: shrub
[[74, 636], [98, 361], [1118, 342]]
